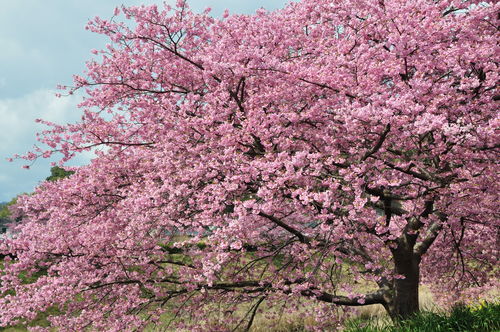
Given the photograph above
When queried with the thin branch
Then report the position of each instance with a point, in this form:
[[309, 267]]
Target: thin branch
[[173, 51], [254, 312]]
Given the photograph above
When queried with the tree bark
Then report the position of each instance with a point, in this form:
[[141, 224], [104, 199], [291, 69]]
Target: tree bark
[[403, 299]]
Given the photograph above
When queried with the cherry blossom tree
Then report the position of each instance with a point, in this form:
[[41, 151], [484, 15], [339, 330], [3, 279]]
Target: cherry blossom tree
[[332, 153]]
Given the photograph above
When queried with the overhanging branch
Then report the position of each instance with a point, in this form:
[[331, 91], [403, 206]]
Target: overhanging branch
[[370, 298]]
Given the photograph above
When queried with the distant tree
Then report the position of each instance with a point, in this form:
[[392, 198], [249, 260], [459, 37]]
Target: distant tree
[[5, 211], [57, 173], [278, 157]]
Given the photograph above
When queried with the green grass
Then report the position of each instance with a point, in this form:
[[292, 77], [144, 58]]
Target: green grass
[[462, 318]]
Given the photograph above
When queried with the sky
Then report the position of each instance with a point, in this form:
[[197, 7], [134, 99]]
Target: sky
[[43, 43]]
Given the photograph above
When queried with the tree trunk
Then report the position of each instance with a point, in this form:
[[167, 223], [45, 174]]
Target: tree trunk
[[403, 300]]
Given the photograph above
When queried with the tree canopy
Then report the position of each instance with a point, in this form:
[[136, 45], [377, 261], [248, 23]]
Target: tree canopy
[[274, 158]]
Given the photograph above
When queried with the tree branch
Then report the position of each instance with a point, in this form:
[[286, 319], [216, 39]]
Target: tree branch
[[370, 298], [377, 146], [302, 238], [421, 176], [254, 312], [431, 235]]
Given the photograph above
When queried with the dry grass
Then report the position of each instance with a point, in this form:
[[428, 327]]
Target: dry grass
[[375, 311], [286, 322], [377, 314], [295, 322], [283, 321]]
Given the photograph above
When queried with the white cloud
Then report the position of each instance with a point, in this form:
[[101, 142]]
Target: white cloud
[[17, 135], [19, 114], [42, 44]]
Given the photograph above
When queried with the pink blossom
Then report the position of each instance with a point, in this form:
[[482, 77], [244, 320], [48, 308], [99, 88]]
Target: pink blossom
[[255, 157]]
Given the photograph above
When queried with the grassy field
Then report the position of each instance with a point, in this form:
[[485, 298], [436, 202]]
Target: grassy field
[[482, 317]]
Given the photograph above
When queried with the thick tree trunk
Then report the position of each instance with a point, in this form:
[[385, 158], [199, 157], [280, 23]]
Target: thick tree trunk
[[403, 300]]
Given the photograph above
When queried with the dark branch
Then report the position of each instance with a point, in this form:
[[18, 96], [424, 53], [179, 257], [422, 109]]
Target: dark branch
[[302, 238], [371, 298], [377, 146], [254, 312]]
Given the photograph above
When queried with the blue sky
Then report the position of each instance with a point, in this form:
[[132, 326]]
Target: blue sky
[[43, 43]]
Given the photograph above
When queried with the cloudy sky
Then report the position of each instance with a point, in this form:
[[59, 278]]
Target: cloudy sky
[[43, 43]]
